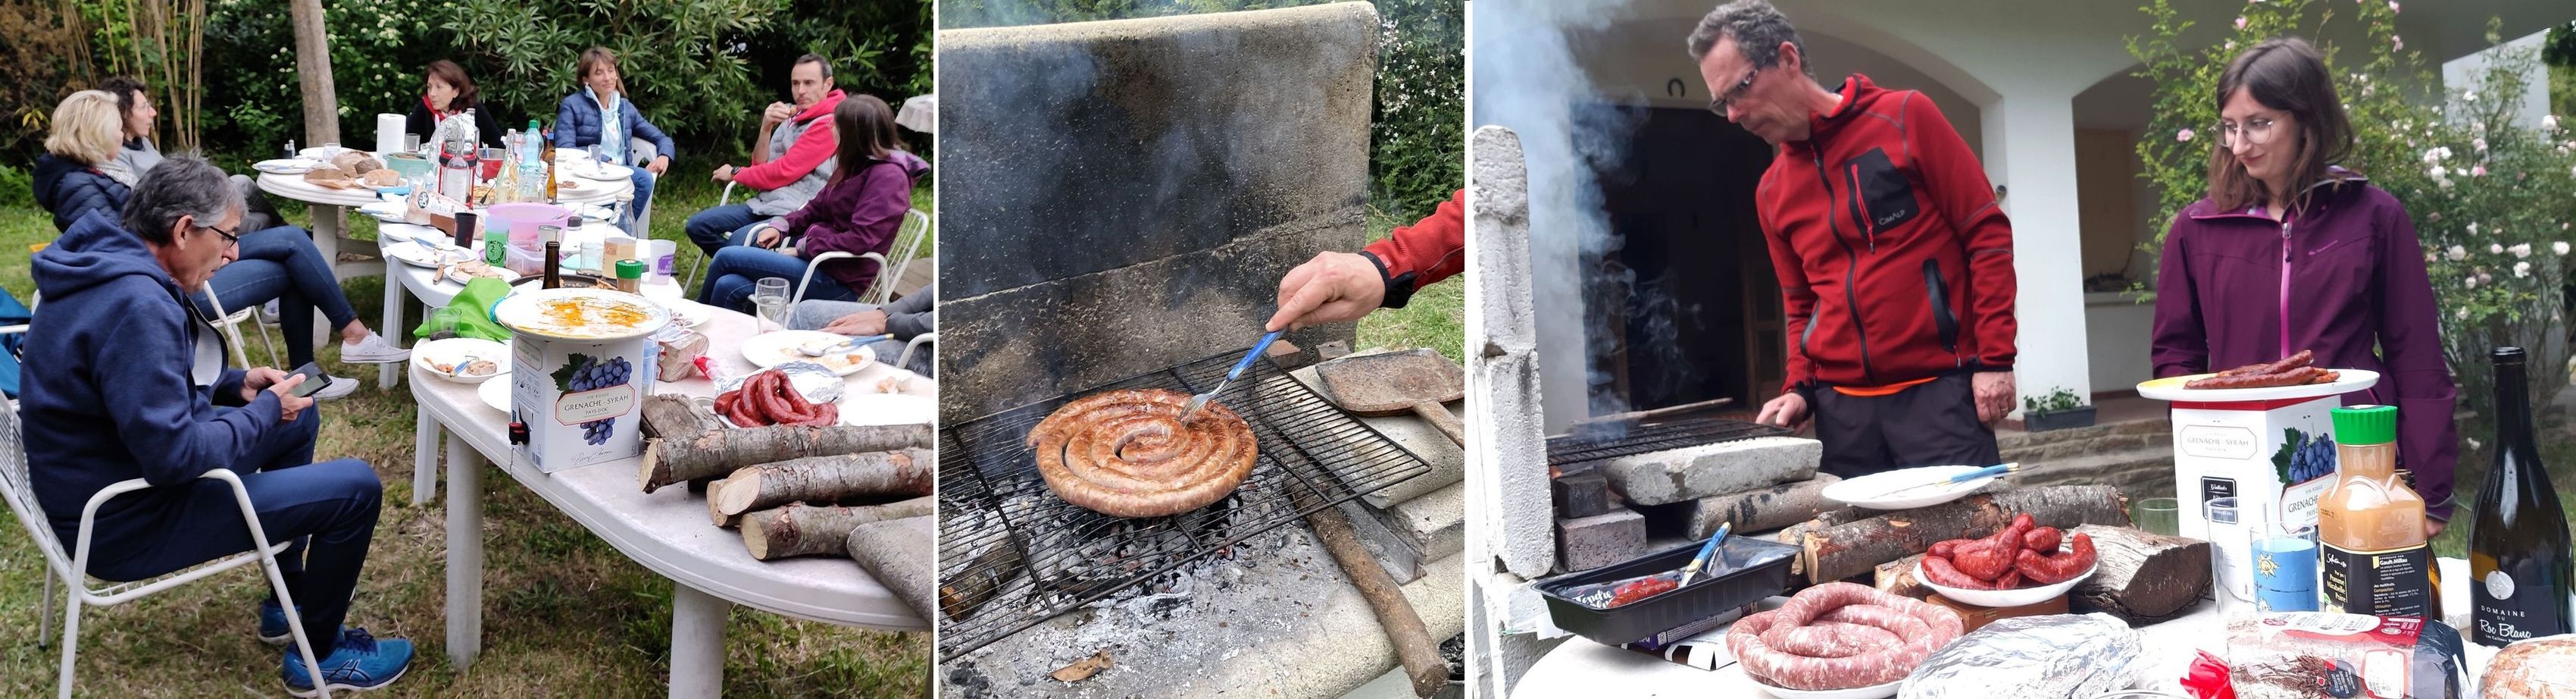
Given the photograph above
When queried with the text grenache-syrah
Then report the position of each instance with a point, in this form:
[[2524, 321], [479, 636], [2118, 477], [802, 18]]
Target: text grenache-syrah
[[2519, 563]]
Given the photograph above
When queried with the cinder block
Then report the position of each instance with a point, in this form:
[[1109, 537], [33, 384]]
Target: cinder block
[[1580, 495], [1600, 540], [1517, 517], [1675, 475]]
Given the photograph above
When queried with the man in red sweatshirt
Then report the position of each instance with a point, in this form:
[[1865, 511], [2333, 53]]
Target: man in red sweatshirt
[[790, 162], [1344, 286], [1894, 262]]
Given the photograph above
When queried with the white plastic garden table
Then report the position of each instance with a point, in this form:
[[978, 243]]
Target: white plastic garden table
[[667, 531]]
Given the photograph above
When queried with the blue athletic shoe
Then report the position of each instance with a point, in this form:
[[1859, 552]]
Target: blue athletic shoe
[[272, 624], [357, 662]]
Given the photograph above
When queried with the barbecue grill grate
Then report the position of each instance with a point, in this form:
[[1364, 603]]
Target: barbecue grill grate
[[1589, 445], [1061, 557]]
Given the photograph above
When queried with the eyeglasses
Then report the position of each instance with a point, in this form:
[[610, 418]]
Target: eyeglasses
[[231, 239], [2253, 132], [1732, 94]]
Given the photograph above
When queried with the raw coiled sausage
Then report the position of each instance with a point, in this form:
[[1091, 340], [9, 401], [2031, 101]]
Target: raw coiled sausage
[[1840, 636]]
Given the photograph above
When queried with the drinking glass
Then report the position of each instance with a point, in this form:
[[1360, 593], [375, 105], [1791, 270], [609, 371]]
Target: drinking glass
[[411, 143], [2158, 516], [330, 150], [593, 151], [2230, 562], [769, 296], [2284, 564]]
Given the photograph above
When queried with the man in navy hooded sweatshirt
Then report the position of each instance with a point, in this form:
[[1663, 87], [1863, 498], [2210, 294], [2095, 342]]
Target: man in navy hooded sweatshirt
[[124, 380]]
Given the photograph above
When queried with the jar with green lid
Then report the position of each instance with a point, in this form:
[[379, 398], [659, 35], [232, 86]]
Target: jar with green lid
[[2370, 526]]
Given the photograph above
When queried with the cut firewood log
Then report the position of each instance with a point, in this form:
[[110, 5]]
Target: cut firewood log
[[672, 415], [982, 580], [671, 459], [1897, 578], [2142, 578], [1855, 548], [1759, 509], [804, 530], [715, 495], [823, 479], [899, 555]]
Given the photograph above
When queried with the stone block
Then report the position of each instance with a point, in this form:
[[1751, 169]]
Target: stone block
[[1581, 495], [1436, 523], [1413, 434], [1600, 540], [1076, 148], [1674, 475], [1517, 519]]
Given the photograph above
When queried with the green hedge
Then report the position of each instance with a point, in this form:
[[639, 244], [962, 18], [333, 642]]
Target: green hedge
[[1418, 141]]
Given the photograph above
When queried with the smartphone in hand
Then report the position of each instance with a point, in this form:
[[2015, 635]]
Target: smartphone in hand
[[313, 380]]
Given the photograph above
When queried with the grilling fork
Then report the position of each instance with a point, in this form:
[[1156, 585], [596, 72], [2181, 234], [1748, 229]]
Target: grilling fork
[[1201, 400]]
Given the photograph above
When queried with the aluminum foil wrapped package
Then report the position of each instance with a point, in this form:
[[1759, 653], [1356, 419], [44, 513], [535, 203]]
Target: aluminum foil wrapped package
[[2041, 657]]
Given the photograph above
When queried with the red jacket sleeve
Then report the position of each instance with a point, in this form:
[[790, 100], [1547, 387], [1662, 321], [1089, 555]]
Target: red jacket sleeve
[[1433, 248], [1958, 187], [808, 152]]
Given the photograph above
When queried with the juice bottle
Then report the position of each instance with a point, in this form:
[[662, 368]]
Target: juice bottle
[[2371, 539]]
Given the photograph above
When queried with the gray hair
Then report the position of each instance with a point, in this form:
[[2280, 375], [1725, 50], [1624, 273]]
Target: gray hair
[[819, 62], [181, 186], [1758, 28]]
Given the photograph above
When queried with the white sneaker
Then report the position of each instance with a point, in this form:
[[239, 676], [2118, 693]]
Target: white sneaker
[[375, 349], [268, 313], [340, 387]]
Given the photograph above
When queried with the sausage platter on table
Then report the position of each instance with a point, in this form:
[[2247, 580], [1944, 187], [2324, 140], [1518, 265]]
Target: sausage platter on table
[[1941, 583]]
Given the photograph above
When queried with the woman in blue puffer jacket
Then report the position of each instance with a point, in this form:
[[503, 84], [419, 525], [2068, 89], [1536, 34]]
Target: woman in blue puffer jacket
[[79, 171], [599, 114]]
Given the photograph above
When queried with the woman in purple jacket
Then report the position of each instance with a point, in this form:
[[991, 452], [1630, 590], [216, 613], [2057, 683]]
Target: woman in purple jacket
[[2290, 252], [859, 211]]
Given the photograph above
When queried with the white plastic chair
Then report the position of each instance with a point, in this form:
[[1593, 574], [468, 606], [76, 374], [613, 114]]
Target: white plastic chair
[[71, 566], [907, 242], [232, 322], [915, 343]]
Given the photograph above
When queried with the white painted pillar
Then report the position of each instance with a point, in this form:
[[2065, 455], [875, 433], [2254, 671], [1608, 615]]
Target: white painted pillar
[[2030, 152]]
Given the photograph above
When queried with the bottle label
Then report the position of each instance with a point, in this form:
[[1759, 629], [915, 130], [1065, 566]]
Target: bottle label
[[2500, 616], [2393, 582]]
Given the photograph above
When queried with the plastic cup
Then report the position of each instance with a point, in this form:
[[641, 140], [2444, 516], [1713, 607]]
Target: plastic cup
[[664, 253], [2229, 559], [2284, 565], [2157, 516]]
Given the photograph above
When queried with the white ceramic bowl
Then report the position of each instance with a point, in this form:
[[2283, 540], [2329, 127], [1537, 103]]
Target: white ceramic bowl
[[1881, 691], [2004, 598]]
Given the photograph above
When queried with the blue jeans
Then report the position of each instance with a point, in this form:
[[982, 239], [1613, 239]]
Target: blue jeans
[[720, 226], [813, 315], [282, 264], [328, 509], [730, 278], [643, 180]]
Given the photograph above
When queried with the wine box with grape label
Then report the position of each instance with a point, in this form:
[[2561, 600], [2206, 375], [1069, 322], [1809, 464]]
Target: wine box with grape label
[[2274, 457], [583, 361]]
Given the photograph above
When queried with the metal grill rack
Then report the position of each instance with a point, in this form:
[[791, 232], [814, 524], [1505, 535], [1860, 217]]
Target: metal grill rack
[[1589, 445], [1018, 555]]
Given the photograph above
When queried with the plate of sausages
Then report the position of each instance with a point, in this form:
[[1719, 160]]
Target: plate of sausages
[[2022, 564], [2291, 377]]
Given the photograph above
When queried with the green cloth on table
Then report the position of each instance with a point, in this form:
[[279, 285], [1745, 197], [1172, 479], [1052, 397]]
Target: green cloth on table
[[470, 313]]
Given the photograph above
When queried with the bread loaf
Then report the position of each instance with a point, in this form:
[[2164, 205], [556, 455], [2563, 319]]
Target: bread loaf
[[2540, 668]]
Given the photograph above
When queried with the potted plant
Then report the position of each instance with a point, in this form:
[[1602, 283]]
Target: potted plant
[[2059, 410]]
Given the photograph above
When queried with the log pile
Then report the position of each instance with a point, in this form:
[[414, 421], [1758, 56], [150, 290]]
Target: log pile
[[1842, 544], [801, 491], [2142, 578]]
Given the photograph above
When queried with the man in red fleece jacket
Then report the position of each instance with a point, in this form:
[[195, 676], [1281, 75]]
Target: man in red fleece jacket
[[1894, 262], [1344, 286], [790, 162]]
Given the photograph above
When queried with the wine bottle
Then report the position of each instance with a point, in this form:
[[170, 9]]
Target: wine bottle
[[554, 265], [2519, 564]]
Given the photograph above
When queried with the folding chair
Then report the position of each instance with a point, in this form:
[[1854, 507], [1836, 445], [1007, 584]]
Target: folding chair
[[71, 566]]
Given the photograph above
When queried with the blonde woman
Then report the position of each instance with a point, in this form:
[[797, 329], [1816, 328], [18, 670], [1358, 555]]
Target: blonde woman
[[599, 114], [79, 171]]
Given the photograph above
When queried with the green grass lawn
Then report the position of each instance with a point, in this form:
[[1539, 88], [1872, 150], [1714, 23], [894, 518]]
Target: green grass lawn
[[564, 614]]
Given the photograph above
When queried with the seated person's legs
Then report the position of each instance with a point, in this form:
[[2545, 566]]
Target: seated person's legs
[[643, 180], [731, 277], [297, 277], [890, 350], [813, 315], [719, 226], [746, 233]]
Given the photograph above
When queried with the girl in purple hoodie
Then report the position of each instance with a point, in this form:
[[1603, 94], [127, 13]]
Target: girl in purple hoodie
[[858, 212], [2289, 252]]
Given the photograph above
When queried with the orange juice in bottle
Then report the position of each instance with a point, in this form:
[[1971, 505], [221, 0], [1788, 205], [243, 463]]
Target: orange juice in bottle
[[2370, 526]]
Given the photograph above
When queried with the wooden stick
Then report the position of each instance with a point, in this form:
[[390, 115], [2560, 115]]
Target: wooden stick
[[1845, 550], [837, 478], [1641, 416], [1897, 578], [1413, 645], [899, 555], [2142, 578], [981, 581], [803, 530], [1762, 509], [672, 459]]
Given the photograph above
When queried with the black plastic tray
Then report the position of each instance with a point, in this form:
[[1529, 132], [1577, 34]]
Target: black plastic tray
[[1762, 570]]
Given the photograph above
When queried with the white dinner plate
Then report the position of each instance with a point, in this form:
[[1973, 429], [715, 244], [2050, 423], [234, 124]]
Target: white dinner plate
[[495, 392], [1870, 491], [414, 254], [887, 409], [284, 166], [593, 170], [1871, 692], [386, 211], [774, 348], [2007, 598], [431, 354], [2171, 389]]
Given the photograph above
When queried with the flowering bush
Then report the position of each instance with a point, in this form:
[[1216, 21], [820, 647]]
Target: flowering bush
[[2489, 196]]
